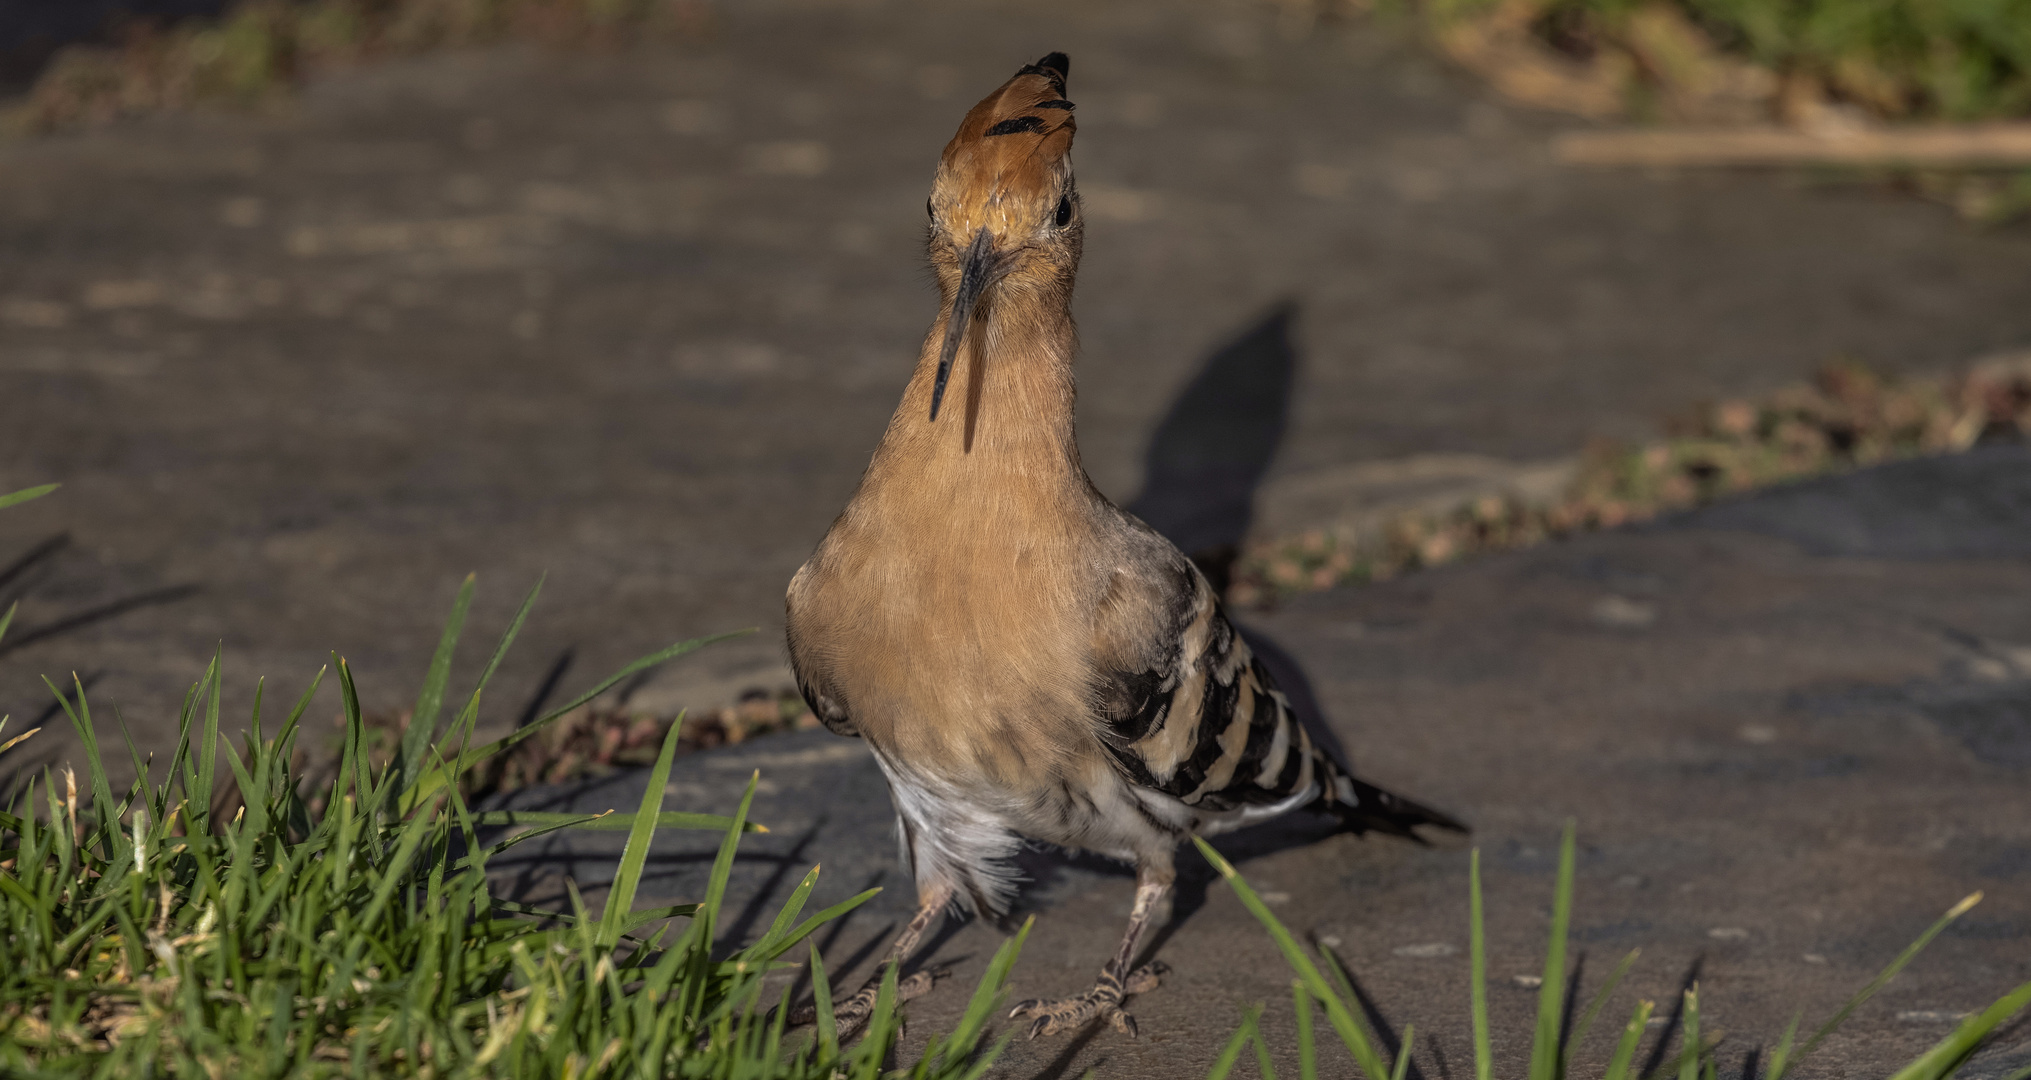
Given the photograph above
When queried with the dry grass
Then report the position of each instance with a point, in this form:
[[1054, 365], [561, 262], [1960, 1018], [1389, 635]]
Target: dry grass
[[1846, 418], [591, 740]]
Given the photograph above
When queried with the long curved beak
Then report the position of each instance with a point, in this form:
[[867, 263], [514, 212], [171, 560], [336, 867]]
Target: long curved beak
[[977, 270]]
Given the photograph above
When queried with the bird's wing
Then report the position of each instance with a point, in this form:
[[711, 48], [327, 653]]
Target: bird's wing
[[813, 680], [826, 706], [1188, 709], [1185, 706]]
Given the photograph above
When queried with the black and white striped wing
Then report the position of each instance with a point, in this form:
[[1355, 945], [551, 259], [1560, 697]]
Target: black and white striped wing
[[1190, 711]]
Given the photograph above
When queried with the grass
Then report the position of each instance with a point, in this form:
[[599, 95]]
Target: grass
[[1936, 59], [596, 738], [1797, 60], [1550, 1048], [1848, 417], [148, 932]]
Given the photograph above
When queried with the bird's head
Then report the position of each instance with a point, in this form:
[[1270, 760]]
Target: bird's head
[[1004, 215]]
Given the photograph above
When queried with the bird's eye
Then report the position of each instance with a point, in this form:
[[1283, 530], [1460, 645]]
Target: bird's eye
[[1064, 210]]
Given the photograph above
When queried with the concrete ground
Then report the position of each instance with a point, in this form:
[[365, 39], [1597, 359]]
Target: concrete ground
[[1793, 731], [635, 319]]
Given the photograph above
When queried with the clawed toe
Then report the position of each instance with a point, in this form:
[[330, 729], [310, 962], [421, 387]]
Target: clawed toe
[[1071, 1014], [1053, 1017]]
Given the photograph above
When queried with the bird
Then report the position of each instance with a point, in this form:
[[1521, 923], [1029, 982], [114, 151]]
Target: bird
[[1027, 661]]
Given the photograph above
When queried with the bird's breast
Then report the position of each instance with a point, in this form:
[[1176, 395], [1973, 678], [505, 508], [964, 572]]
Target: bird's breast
[[956, 630]]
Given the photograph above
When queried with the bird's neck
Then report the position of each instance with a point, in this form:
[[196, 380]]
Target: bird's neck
[[1007, 414]]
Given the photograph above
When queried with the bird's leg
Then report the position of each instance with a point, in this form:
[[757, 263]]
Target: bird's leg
[[1116, 983], [852, 1013]]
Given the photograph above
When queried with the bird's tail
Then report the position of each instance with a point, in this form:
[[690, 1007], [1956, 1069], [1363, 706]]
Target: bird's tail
[[1361, 807]]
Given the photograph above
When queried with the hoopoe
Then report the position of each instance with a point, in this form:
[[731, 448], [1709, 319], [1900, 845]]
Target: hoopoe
[[1025, 659]]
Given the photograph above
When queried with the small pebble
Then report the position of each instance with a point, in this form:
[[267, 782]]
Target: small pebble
[[1330, 941], [1757, 734], [1623, 613], [1728, 933], [1425, 951], [1528, 982], [1275, 897], [1930, 1016], [1814, 958]]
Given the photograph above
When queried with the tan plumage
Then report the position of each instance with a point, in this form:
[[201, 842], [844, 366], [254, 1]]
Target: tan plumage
[[1025, 659]]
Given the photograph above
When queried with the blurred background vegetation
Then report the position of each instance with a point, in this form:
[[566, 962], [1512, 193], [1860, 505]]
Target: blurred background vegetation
[[1701, 61], [1802, 61], [1823, 66], [256, 50]]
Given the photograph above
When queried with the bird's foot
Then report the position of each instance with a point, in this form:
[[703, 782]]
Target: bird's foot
[[852, 1014], [1104, 1000]]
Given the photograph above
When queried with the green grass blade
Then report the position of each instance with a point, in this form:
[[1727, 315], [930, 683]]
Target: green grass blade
[[1308, 1053], [1337, 1012], [1594, 1007], [986, 996], [1625, 1048], [432, 780], [1477, 966], [394, 873], [821, 988], [804, 929], [1780, 1058], [722, 864], [1231, 1053], [1403, 1052], [7, 620], [1267, 1069], [253, 799], [1946, 1057], [16, 498], [1544, 1048], [1689, 1058], [511, 740], [543, 824], [609, 821], [620, 899], [638, 919], [469, 716], [208, 741], [430, 700], [79, 710], [1888, 973], [786, 917]]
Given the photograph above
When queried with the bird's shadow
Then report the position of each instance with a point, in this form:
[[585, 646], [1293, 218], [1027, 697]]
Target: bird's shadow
[[1207, 460]]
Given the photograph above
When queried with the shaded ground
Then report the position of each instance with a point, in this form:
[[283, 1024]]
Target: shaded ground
[[1791, 738]]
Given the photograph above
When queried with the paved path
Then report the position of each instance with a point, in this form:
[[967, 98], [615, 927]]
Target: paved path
[[1793, 730], [635, 320]]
